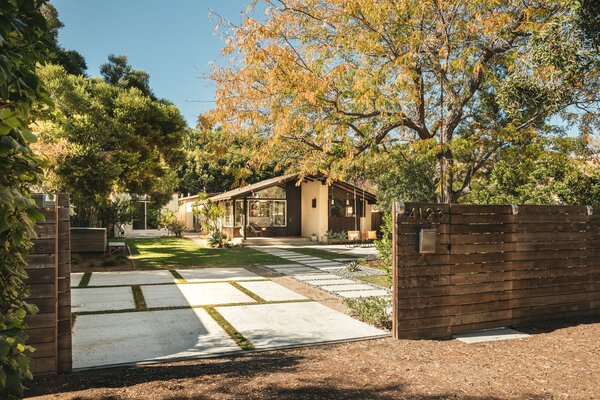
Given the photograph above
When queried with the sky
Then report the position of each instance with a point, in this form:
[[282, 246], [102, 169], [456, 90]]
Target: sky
[[173, 40]]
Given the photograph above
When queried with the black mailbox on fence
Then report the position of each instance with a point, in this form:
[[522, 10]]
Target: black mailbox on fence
[[427, 241]]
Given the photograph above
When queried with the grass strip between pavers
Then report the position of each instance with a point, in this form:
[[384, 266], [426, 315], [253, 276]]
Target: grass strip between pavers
[[247, 292], [138, 298], [177, 275], [233, 333], [85, 280]]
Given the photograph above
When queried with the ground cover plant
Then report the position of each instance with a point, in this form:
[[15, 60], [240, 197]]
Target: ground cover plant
[[175, 252]]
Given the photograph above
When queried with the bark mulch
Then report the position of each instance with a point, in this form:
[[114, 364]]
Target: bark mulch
[[556, 362]]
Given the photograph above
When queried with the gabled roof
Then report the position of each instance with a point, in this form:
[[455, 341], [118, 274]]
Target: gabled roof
[[255, 187], [246, 191]]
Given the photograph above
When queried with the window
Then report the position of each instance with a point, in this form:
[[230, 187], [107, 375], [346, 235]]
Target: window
[[228, 220], [274, 192], [267, 213], [239, 213]]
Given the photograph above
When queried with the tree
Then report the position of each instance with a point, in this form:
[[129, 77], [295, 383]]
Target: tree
[[22, 44], [547, 171], [117, 71], [216, 161], [328, 81], [72, 61], [108, 139]]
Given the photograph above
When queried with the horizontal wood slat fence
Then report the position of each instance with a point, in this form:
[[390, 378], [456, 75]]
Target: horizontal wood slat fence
[[49, 268], [493, 266]]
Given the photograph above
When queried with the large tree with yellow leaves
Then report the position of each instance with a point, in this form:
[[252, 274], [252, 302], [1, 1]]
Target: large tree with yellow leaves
[[329, 82]]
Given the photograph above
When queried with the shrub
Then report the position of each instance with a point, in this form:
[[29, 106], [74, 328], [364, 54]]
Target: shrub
[[372, 310], [169, 221], [353, 266], [23, 31], [215, 239], [384, 245]]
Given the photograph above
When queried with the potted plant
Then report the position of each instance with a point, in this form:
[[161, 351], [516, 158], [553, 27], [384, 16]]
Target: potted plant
[[313, 237]]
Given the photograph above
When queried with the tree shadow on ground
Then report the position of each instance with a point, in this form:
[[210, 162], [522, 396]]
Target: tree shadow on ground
[[552, 325], [242, 366]]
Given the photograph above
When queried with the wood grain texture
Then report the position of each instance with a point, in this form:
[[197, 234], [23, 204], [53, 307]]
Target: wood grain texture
[[493, 267]]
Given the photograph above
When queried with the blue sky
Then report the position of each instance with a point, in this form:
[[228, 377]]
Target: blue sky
[[173, 40]]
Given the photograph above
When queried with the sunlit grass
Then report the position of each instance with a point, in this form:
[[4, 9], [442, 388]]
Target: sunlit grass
[[174, 252]]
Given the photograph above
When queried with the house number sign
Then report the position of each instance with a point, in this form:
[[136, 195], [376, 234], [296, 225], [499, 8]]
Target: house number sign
[[423, 214]]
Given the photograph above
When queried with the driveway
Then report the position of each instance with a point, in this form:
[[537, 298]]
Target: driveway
[[164, 315]]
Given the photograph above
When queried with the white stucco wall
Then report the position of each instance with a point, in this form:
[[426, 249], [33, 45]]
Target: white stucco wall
[[314, 220]]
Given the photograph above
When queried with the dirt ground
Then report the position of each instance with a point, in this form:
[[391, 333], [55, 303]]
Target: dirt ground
[[556, 362]]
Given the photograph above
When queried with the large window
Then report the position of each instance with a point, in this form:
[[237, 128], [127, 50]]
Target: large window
[[267, 213], [274, 192]]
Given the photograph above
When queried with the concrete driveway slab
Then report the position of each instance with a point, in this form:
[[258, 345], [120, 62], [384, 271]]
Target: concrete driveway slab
[[76, 278], [130, 278], [108, 339], [102, 299], [293, 324], [217, 274], [270, 291], [193, 294]]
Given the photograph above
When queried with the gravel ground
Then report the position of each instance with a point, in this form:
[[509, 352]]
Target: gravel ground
[[556, 363]]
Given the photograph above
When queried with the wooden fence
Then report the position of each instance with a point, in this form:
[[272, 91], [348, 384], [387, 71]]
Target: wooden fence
[[49, 267], [492, 266]]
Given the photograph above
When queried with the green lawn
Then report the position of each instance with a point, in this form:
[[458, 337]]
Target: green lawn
[[379, 280], [310, 251], [173, 252]]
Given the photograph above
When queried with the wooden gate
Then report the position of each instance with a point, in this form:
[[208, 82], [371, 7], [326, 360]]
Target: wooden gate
[[492, 266]]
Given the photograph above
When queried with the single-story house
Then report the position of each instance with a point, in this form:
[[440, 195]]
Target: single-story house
[[288, 206]]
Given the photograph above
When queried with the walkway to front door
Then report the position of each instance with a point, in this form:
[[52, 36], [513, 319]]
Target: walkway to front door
[[321, 273]]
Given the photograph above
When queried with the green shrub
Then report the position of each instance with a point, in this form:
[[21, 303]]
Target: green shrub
[[384, 245], [373, 310], [215, 239], [23, 36], [353, 266], [169, 221]]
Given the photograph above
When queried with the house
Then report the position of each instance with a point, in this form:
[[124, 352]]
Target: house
[[145, 219], [288, 206]]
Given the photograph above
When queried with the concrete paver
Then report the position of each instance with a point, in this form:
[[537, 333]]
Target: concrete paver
[[130, 278], [217, 274], [102, 299], [292, 324], [193, 294], [109, 339], [270, 291]]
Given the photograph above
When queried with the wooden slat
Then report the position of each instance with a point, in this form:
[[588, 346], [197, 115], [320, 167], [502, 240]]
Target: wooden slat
[[495, 268]]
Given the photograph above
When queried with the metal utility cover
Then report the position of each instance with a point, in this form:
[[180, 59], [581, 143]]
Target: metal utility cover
[[427, 241]]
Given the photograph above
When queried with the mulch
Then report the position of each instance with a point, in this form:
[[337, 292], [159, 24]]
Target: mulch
[[556, 362]]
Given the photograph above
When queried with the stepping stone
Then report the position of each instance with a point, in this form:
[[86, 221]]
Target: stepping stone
[[339, 288], [346, 259], [332, 269], [76, 278], [364, 293], [129, 278], [315, 276], [193, 295], [270, 291], [291, 324], [125, 338], [271, 266], [294, 271], [332, 281], [102, 299], [217, 274]]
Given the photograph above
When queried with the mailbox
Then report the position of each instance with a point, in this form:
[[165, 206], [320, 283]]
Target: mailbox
[[427, 240]]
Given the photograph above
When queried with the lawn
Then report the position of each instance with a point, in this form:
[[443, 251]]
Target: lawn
[[173, 252], [310, 251], [378, 280]]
